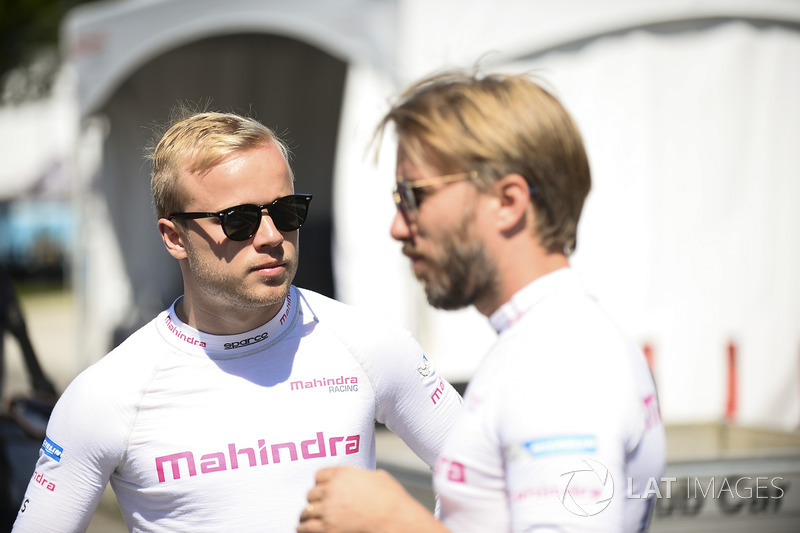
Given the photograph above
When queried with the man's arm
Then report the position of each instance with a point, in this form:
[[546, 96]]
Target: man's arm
[[413, 399], [353, 500], [80, 452]]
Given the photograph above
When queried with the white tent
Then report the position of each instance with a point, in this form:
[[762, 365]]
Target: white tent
[[689, 111]]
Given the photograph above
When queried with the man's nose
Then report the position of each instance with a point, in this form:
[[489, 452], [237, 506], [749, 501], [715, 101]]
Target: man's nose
[[267, 234], [400, 229]]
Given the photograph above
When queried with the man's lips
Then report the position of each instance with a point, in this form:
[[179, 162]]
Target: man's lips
[[270, 269], [415, 257]]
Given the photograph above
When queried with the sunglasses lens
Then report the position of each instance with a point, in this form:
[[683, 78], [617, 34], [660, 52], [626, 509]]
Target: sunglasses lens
[[241, 223], [408, 197], [289, 213]]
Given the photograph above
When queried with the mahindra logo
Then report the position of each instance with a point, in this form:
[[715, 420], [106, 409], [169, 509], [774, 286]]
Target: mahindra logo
[[181, 335], [44, 482], [340, 384], [437, 393], [260, 456], [285, 315], [451, 470]]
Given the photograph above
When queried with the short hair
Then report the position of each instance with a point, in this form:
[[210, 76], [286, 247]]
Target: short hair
[[197, 142], [499, 124]]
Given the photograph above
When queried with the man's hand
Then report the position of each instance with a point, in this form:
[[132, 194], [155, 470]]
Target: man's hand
[[352, 500]]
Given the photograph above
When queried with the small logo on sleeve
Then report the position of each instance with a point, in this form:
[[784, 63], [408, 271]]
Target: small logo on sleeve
[[424, 368], [52, 450]]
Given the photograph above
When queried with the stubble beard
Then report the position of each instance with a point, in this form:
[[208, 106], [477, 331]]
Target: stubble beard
[[464, 276], [237, 291]]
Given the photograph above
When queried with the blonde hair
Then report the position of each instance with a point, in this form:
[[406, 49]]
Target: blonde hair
[[498, 125], [197, 142]]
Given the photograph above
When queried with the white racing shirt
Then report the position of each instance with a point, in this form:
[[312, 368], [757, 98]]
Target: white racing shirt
[[208, 433], [560, 429]]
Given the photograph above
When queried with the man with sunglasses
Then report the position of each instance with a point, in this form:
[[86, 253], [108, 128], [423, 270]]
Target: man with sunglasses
[[215, 416], [561, 419]]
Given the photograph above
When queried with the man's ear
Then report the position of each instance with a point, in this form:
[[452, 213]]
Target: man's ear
[[514, 195], [172, 237]]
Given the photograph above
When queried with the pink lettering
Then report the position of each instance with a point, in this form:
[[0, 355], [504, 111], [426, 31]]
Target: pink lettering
[[437, 394], [285, 315], [234, 455], [219, 461], [174, 459], [332, 444], [276, 451], [305, 447], [535, 493], [41, 480], [262, 449], [175, 330], [351, 444], [212, 462], [323, 382], [652, 411], [451, 470]]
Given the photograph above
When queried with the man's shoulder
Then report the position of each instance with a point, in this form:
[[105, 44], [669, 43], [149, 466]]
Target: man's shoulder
[[144, 336], [129, 357], [350, 321], [328, 308], [311, 296], [112, 384]]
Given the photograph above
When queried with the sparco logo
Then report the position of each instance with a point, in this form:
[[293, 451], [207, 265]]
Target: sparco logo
[[246, 342]]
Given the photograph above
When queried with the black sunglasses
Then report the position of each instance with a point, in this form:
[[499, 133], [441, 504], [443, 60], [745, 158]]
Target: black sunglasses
[[242, 221]]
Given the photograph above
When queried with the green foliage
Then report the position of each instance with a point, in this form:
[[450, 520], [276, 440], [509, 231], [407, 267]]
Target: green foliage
[[29, 46]]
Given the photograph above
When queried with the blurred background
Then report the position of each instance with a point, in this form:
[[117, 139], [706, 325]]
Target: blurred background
[[690, 236]]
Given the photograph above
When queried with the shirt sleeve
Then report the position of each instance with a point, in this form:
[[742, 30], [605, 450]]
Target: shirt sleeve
[[81, 450], [413, 399]]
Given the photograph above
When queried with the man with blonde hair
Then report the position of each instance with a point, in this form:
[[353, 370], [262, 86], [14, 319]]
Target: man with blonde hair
[[562, 416], [215, 415]]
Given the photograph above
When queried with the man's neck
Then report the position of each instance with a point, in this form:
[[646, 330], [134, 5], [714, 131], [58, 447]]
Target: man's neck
[[517, 270], [223, 320]]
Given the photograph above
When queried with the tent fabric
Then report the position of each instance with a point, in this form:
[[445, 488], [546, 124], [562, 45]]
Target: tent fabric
[[107, 41], [689, 237], [690, 234], [35, 142]]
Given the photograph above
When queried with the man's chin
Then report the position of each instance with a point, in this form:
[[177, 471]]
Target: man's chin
[[446, 301], [270, 293]]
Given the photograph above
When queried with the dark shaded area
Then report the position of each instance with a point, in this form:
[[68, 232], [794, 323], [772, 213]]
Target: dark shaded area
[[12, 322], [29, 46], [23, 423]]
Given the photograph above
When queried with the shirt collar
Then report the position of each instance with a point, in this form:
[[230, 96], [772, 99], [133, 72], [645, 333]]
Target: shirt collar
[[192, 340], [529, 296]]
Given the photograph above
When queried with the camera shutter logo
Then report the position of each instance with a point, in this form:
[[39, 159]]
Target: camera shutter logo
[[587, 490]]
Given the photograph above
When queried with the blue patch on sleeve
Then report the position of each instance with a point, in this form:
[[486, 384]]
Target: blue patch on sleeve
[[561, 445], [52, 450]]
